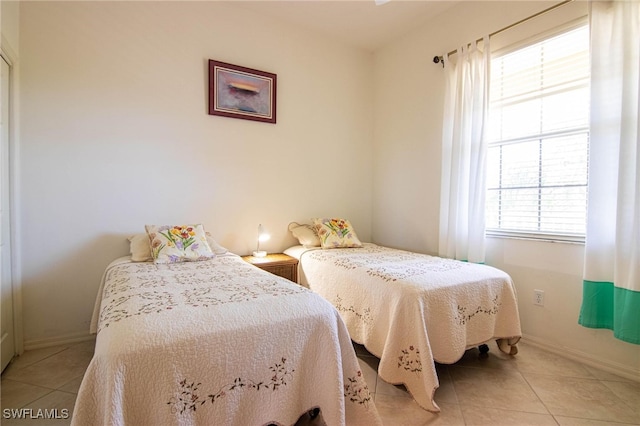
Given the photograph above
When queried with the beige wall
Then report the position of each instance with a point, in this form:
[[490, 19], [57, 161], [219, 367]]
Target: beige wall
[[409, 92], [9, 18], [115, 134]]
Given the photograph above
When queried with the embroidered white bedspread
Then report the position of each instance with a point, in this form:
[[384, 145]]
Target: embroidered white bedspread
[[410, 309], [217, 342]]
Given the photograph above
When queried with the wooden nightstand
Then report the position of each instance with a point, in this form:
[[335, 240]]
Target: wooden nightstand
[[278, 264]]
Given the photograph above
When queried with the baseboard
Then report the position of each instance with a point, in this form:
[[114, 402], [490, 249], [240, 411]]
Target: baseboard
[[58, 341], [585, 358]]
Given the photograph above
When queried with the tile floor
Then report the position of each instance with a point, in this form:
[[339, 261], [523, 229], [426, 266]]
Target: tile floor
[[533, 388]]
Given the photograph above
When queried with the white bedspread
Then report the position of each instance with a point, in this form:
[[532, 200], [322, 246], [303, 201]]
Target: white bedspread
[[217, 342], [410, 309]]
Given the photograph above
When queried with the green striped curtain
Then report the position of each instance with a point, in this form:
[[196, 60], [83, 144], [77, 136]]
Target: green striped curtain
[[611, 286]]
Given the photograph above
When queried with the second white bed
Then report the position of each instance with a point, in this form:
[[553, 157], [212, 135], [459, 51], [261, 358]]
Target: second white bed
[[411, 309]]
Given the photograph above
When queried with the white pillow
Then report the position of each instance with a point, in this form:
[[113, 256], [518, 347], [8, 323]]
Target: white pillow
[[140, 248], [305, 234], [215, 247]]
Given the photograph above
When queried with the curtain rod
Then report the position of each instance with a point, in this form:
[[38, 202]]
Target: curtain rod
[[438, 59]]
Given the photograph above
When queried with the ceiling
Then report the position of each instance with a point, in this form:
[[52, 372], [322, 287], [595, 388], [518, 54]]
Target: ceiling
[[359, 23]]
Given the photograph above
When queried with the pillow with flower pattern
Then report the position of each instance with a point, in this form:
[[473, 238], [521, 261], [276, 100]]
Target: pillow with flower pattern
[[336, 233], [140, 248], [179, 243]]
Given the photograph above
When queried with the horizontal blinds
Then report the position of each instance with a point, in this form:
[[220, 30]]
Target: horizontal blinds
[[538, 137]]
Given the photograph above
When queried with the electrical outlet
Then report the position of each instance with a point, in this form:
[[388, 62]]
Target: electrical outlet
[[538, 297]]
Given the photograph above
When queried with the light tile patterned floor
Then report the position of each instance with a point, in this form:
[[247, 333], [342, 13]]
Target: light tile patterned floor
[[533, 388]]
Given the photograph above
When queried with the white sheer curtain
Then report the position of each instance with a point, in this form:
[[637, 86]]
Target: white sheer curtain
[[611, 286], [464, 154]]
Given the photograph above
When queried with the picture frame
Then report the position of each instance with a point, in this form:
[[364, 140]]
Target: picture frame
[[241, 92]]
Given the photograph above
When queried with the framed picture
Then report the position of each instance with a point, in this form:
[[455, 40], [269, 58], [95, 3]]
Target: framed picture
[[240, 92]]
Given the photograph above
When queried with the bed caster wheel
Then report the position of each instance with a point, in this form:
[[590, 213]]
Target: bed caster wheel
[[484, 350]]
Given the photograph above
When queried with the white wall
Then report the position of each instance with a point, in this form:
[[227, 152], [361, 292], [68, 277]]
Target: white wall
[[115, 134], [409, 91], [556, 269]]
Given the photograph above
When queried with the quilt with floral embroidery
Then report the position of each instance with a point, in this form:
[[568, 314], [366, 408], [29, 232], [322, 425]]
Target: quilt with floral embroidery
[[217, 342], [411, 309]]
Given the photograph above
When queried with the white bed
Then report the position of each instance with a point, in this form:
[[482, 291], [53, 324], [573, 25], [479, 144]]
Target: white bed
[[412, 309], [217, 342]]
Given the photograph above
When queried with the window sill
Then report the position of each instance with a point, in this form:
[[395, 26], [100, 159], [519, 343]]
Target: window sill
[[547, 238]]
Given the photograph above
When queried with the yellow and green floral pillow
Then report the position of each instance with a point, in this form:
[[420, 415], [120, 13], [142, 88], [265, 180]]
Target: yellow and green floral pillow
[[181, 243], [336, 233]]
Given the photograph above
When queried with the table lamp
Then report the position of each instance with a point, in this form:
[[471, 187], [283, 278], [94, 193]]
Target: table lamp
[[262, 237]]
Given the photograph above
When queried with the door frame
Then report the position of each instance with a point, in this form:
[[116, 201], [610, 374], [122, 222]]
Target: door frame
[[11, 58]]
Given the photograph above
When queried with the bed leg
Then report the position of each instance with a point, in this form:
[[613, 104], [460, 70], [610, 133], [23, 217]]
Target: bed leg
[[508, 346]]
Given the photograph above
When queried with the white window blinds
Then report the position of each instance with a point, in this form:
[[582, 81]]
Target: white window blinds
[[538, 138]]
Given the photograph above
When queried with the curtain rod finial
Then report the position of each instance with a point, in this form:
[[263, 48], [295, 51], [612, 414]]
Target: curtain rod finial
[[438, 59]]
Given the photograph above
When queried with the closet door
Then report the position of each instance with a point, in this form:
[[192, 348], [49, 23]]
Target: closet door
[[6, 308]]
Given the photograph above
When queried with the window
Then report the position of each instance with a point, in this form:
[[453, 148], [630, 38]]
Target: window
[[538, 139]]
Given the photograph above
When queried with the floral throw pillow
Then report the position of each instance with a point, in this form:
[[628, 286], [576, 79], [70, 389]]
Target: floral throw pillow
[[336, 233], [181, 243]]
